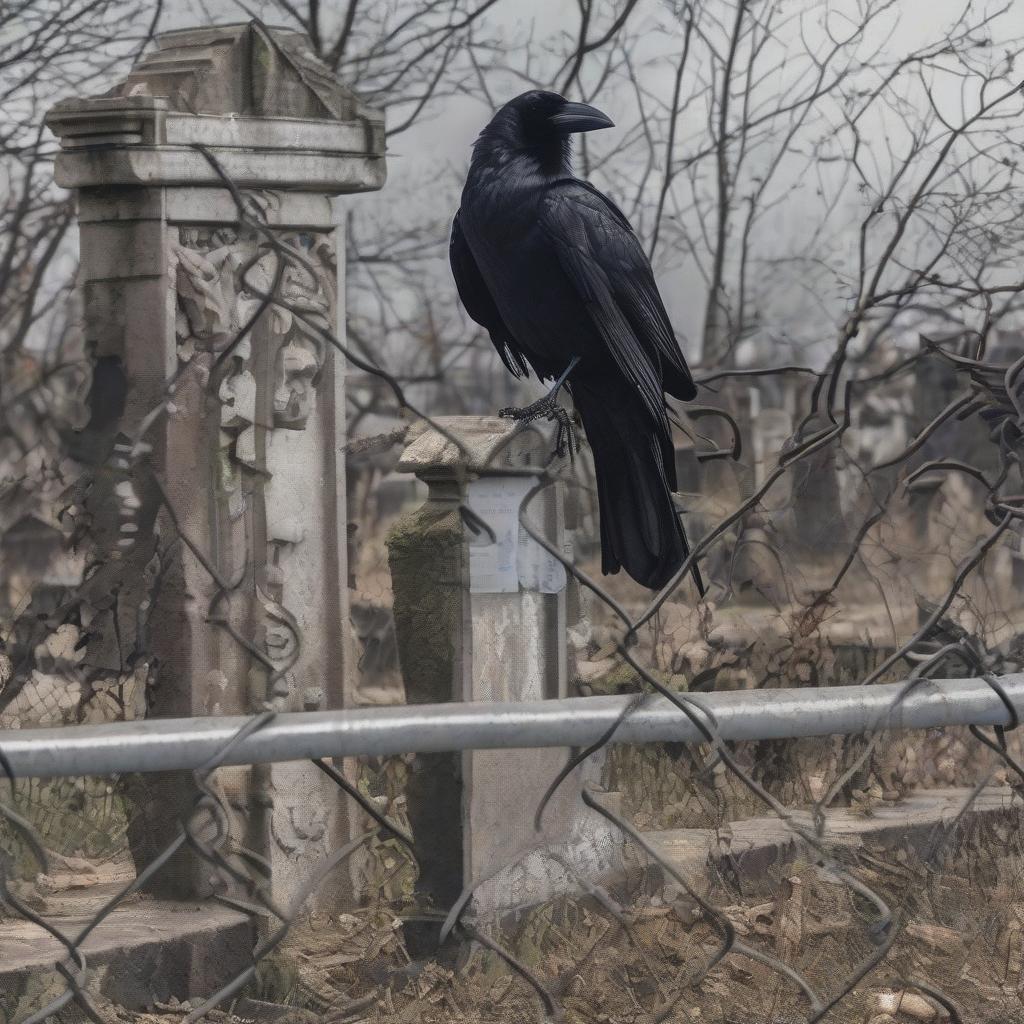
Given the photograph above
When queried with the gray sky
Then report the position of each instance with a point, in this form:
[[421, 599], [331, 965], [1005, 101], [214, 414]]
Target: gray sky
[[428, 162]]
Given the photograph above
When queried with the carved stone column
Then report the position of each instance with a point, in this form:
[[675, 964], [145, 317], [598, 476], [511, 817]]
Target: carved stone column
[[213, 333]]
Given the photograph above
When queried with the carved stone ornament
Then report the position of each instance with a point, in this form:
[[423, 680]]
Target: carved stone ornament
[[247, 68], [257, 97], [223, 278], [309, 294]]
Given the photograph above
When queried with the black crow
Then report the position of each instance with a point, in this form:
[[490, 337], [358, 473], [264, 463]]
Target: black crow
[[552, 269]]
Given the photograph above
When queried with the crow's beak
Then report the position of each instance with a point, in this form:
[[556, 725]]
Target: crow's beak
[[580, 117]]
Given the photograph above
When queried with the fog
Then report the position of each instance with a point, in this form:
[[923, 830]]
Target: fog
[[790, 273]]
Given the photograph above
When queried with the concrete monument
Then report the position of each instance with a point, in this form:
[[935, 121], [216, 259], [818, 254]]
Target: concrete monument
[[212, 271]]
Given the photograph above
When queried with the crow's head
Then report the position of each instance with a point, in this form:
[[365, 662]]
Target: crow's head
[[543, 116], [540, 123]]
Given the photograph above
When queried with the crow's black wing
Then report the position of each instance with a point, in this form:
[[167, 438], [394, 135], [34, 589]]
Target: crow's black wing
[[606, 263], [479, 302]]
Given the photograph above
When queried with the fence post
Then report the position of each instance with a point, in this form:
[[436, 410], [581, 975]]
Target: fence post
[[481, 614], [218, 421]]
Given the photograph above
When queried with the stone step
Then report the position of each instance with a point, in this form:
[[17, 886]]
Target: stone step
[[142, 953], [73, 901], [750, 848], [75, 887]]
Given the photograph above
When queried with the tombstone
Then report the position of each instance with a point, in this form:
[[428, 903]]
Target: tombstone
[[773, 429], [228, 432], [33, 554], [745, 405], [1007, 348], [937, 382], [757, 570], [752, 569], [921, 496], [819, 529], [721, 479], [1017, 571], [481, 613], [687, 469], [380, 681]]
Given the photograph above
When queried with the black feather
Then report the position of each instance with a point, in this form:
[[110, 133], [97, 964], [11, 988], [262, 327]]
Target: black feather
[[553, 270]]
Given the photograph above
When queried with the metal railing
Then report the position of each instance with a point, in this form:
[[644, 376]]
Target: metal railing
[[712, 721], [205, 744], [156, 745]]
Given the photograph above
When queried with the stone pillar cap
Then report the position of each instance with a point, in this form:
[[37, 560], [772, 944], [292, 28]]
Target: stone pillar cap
[[491, 446], [268, 110]]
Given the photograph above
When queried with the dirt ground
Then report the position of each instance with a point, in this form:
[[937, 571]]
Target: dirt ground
[[958, 927]]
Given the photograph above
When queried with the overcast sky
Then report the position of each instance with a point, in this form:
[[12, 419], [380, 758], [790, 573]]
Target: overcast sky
[[428, 162]]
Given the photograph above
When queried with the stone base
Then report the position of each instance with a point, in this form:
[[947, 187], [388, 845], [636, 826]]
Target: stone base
[[592, 856], [140, 955], [750, 849]]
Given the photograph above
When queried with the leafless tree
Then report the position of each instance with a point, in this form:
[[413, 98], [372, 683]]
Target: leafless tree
[[798, 185]]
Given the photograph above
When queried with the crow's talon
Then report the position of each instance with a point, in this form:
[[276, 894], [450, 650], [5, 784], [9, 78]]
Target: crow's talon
[[549, 409], [546, 407], [566, 440]]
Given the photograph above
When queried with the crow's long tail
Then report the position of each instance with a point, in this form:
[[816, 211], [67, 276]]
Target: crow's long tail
[[635, 468]]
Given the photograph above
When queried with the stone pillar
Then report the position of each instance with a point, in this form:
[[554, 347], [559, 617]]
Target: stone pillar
[[482, 615], [239, 405]]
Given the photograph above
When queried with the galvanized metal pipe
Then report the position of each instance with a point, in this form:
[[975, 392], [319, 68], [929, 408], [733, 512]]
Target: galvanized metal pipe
[[186, 743]]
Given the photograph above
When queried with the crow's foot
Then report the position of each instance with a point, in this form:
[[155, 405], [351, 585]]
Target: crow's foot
[[566, 439], [549, 409]]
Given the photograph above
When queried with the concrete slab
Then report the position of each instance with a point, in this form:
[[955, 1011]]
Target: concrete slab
[[147, 951], [748, 849]]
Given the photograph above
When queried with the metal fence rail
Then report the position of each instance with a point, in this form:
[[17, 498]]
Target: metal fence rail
[[191, 743]]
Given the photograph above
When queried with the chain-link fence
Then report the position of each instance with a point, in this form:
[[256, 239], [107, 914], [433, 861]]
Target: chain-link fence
[[848, 897], [761, 870]]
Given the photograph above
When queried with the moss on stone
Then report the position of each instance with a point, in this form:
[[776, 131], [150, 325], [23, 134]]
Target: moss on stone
[[425, 555]]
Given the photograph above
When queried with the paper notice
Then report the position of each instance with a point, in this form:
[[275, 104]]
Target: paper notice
[[499, 566]]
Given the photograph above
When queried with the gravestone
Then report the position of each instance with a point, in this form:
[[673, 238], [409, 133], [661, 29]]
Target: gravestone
[[212, 269], [819, 530], [481, 613]]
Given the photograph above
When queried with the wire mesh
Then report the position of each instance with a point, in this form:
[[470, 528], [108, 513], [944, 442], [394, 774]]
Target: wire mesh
[[799, 945]]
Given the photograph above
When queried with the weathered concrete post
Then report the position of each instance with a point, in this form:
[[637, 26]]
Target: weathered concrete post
[[481, 614], [239, 401]]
